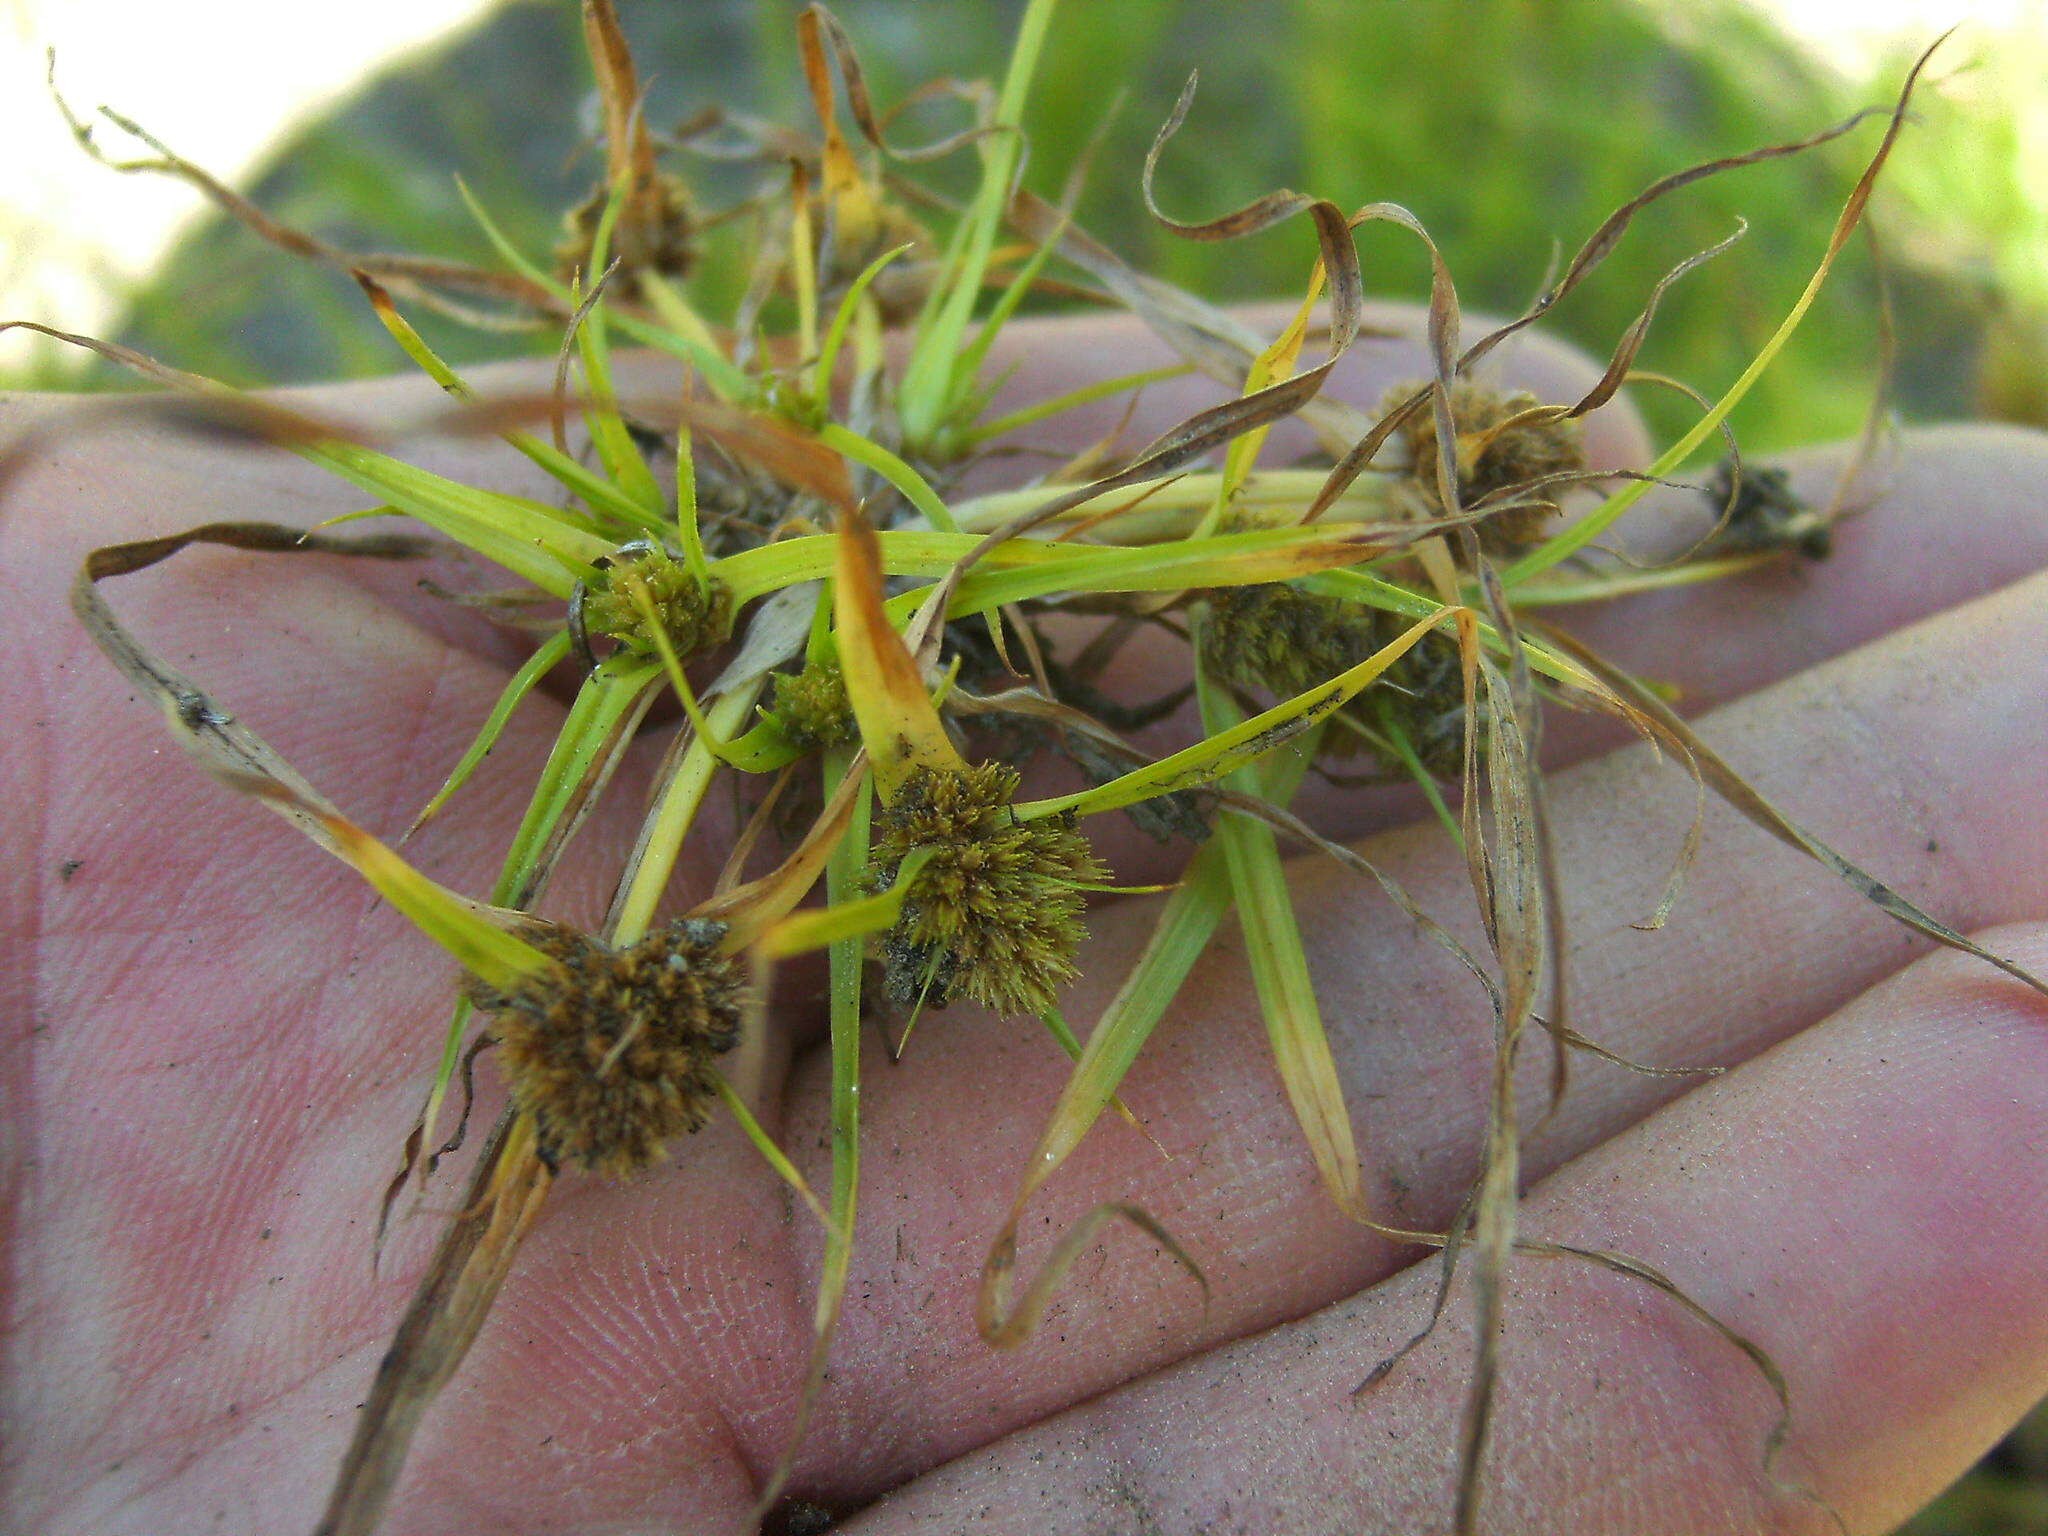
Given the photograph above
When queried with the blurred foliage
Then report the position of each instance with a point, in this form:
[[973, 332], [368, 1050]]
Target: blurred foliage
[[1972, 204], [2007, 1494], [1510, 126]]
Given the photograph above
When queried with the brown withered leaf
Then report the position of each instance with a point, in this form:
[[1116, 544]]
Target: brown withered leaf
[[629, 152], [423, 279], [820, 32], [222, 745], [1615, 225]]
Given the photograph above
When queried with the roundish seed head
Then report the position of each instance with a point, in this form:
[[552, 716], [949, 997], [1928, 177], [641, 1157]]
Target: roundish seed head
[[1284, 641], [694, 615], [1493, 457], [995, 916], [655, 233], [613, 1054], [811, 709]]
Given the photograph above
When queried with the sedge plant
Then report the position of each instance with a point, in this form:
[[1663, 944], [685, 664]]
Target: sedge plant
[[779, 550]]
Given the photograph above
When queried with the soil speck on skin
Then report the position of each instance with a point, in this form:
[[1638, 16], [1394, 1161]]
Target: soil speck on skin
[[799, 1517]]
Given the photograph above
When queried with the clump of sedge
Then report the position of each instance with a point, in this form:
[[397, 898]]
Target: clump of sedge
[[995, 917], [655, 233], [1495, 455], [810, 707], [613, 1053], [1285, 641], [695, 615]]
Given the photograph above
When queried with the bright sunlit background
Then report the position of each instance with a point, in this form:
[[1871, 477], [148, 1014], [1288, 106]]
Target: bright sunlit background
[[228, 82], [219, 80]]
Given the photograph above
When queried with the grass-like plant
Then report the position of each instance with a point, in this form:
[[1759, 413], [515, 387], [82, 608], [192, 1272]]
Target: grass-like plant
[[783, 551]]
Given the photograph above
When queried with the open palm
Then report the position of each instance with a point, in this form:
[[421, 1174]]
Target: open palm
[[216, 1038]]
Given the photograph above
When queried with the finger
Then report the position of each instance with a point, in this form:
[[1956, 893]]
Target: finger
[[1868, 1202], [1907, 754], [1046, 358], [662, 1353], [1953, 516], [222, 1034]]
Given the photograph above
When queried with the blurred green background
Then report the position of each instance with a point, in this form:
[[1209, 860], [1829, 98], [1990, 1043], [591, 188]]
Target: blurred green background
[[1510, 126]]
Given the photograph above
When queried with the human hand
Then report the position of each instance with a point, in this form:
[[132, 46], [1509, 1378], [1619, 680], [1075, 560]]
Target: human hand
[[220, 1038]]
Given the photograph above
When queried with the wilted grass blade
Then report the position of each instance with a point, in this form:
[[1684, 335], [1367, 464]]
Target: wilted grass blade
[[1742, 797], [222, 745]]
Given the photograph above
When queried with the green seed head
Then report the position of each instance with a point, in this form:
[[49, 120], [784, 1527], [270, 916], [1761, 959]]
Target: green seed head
[[995, 916], [810, 707], [695, 616], [613, 1054], [1284, 641]]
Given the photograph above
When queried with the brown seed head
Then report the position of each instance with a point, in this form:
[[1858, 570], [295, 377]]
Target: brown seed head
[[1491, 461], [613, 1055], [1766, 514], [654, 233], [995, 916]]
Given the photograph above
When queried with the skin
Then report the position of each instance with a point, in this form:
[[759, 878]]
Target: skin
[[216, 1039]]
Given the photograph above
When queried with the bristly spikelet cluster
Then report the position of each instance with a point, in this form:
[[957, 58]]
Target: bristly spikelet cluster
[[996, 915], [1491, 461], [655, 233], [673, 998], [694, 615], [1285, 641], [810, 707]]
